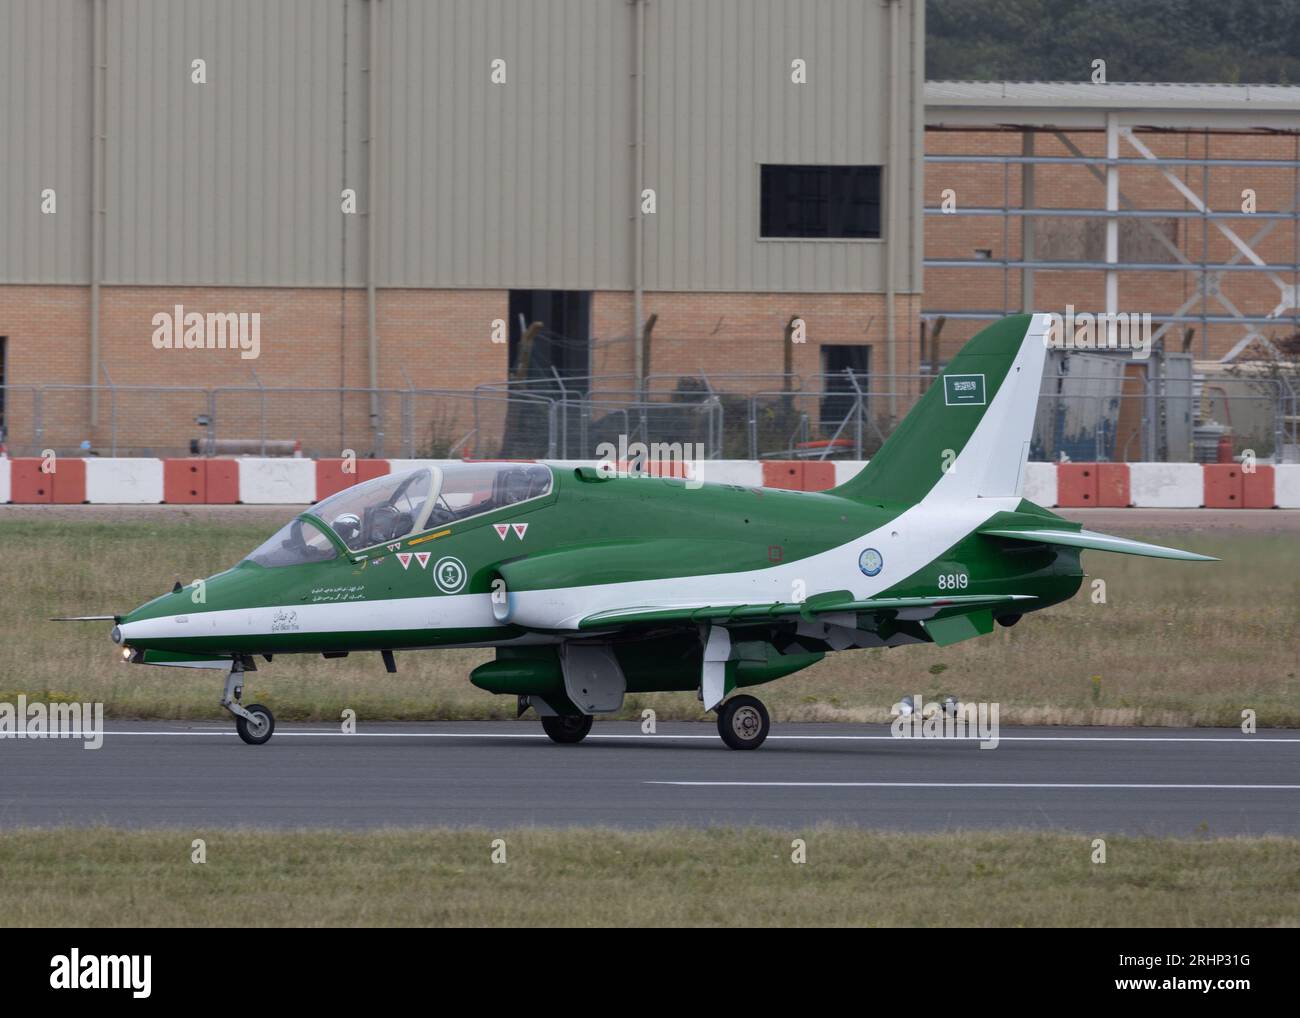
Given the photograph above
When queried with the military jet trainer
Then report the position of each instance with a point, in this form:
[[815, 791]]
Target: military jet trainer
[[591, 587]]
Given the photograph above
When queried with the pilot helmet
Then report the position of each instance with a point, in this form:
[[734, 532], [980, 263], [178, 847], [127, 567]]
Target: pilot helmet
[[347, 526]]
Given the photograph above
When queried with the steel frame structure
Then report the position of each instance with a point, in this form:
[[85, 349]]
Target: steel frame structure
[[1118, 207]]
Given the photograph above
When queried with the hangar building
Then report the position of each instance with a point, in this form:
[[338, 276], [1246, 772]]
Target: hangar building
[[706, 172]]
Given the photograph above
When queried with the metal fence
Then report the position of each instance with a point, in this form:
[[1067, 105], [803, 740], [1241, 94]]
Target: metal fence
[[734, 417]]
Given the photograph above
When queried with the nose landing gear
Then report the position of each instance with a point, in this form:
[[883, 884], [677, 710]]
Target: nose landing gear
[[255, 723], [258, 726]]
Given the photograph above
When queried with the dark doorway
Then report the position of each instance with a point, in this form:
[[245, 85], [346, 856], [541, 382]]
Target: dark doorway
[[564, 341], [838, 396]]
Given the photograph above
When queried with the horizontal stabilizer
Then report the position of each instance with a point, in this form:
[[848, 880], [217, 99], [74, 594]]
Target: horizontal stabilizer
[[1095, 541]]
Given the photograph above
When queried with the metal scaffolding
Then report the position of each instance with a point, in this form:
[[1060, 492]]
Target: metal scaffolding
[[1126, 113]]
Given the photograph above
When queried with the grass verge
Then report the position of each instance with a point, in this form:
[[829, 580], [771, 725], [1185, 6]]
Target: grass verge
[[689, 877], [1172, 643]]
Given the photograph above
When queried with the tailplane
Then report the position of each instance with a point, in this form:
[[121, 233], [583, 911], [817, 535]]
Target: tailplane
[[1073, 536]]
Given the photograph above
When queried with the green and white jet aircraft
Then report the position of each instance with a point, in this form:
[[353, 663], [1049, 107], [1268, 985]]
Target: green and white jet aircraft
[[591, 586]]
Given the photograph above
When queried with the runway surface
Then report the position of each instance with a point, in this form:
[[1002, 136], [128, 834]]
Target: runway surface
[[1192, 782]]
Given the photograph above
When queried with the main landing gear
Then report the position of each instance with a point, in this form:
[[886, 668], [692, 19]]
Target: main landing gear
[[254, 723], [743, 722], [567, 730]]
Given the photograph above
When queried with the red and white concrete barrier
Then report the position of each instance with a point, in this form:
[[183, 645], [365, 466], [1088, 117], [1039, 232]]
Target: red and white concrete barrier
[[746, 473], [270, 481], [1286, 486], [1167, 485], [117, 481], [1040, 483]]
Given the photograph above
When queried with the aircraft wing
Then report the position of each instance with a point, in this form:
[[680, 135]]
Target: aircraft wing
[[840, 602], [1091, 539]]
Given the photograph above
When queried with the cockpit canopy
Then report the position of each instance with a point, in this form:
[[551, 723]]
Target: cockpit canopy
[[389, 508], [298, 541], [384, 509]]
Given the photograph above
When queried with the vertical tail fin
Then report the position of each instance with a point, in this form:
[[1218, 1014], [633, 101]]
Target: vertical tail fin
[[968, 436]]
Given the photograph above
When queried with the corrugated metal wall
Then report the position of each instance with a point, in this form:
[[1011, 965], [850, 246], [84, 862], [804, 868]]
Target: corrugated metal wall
[[720, 102], [523, 184], [236, 181], [526, 184], [45, 140]]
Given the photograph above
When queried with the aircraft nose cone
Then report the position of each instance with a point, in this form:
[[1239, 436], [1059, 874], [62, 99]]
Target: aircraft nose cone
[[116, 634]]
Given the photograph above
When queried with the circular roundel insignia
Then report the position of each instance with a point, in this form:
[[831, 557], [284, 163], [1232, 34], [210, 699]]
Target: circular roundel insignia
[[449, 574], [870, 562]]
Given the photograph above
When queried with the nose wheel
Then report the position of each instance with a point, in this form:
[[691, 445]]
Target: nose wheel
[[255, 723], [743, 722], [258, 726]]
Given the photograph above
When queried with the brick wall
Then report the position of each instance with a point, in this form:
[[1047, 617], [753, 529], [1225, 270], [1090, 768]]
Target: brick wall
[[744, 333], [313, 338]]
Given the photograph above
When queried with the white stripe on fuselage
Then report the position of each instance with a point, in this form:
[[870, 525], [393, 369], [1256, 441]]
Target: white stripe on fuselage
[[950, 511], [446, 611]]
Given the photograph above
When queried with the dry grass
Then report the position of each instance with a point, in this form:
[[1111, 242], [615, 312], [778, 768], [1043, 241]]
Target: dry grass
[[1174, 644], [679, 877]]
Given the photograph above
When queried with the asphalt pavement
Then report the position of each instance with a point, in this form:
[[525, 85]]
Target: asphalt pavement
[[1184, 782]]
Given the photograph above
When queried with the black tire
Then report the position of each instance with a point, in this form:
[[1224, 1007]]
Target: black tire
[[256, 734], [566, 729], [743, 722]]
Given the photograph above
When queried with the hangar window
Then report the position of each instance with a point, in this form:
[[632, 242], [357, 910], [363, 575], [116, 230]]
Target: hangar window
[[825, 202]]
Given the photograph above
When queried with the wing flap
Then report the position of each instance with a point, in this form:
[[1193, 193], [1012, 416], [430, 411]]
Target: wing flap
[[682, 614], [956, 627], [1095, 541]]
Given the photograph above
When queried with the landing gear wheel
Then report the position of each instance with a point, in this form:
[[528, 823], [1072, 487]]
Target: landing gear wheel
[[743, 722], [567, 730], [260, 728]]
